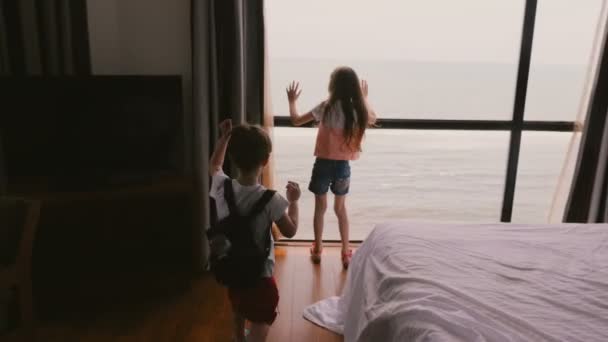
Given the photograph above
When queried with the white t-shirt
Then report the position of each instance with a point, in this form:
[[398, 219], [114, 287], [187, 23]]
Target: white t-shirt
[[335, 116], [245, 197]]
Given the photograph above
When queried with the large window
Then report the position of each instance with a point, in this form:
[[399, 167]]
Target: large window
[[450, 68]]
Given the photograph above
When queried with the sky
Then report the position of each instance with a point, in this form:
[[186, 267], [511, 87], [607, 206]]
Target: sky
[[486, 31]]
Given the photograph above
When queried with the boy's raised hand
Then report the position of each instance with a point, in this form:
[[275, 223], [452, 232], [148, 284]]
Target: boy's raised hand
[[225, 129], [293, 91], [364, 88], [293, 192]]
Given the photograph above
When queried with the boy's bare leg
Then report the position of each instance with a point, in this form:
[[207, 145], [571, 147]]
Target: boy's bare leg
[[239, 328], [258, 332], [320, 208]]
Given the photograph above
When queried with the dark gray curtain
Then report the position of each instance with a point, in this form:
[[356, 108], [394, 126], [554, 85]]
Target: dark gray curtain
[[4, 59], [44, 37], [227, 81], [588, 200], [2, 171]]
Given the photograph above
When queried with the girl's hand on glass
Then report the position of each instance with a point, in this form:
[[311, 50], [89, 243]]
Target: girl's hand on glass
[[364, 88], [293, 91]]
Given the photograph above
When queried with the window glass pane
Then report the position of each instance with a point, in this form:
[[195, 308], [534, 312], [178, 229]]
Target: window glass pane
[[440, 59], [404, 175], [563, 39], [541, 159]]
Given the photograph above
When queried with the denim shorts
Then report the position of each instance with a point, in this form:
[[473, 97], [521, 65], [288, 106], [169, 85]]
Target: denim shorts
[[330, 174]]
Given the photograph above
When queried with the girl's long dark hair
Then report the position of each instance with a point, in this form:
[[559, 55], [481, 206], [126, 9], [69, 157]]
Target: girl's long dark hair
[[345, 88]]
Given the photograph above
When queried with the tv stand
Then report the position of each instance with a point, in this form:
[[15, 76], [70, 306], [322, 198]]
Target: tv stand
[[113, 236]]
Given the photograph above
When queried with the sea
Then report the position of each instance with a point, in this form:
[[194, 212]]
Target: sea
[[432, 175]]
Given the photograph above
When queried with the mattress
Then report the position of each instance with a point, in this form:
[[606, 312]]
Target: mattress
[[463, 282]]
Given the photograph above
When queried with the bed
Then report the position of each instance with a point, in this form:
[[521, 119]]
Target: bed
[[497, 282]]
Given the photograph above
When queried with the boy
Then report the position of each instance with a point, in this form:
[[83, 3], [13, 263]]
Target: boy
[[249, 148]]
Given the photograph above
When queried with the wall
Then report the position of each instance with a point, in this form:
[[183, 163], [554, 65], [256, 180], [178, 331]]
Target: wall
[[139, 36]]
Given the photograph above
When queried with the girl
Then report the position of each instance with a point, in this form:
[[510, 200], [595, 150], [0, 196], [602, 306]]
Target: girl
[[342, 120]]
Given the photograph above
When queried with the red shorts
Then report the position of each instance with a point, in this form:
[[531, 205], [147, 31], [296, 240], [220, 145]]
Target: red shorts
[[257, 304]]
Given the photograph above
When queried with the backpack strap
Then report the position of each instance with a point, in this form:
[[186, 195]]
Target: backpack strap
[[261, 203], [213, 230], [229, 197], [257, 208]]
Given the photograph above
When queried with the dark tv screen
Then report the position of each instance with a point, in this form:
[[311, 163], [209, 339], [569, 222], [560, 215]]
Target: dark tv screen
[[90, 132]]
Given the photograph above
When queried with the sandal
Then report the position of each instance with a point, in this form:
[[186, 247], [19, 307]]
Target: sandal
[[346, 258], [315, 256]]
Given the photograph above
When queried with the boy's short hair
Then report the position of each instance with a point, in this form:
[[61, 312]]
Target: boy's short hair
[[249, 147]]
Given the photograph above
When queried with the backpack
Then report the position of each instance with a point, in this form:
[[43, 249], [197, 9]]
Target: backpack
[[236, 260]]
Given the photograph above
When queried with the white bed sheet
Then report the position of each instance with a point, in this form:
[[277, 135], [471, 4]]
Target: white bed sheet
[[433, 282]]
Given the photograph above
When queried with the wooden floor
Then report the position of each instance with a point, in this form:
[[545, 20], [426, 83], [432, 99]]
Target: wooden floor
[[302, 283], [202, 312]]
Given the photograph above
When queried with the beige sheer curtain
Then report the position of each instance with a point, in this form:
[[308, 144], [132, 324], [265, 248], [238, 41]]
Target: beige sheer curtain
[[268, 121], [562, 192], [268, 175]]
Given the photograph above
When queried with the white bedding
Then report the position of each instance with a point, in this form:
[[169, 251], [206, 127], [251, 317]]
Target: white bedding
[[430, 282]]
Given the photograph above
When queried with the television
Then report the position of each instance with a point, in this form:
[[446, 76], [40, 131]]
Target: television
[[89, 133]]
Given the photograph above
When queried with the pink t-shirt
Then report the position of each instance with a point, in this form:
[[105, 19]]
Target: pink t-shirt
[[330, 134]]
